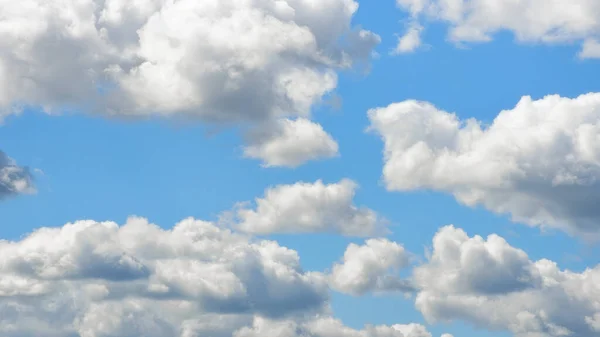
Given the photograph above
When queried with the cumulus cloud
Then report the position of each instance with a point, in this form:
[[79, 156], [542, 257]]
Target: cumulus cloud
[[539, 162], [410, 41], [493, 285], [99, 279], [309, 208], [227, 61], [14, 179], [531, 21], [328, 327], [372, 267], [291, 143]]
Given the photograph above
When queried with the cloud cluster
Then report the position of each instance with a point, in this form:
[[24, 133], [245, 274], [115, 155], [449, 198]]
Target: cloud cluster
[[248, 63], [14, 179], [539, 162], [372, 267], [290, 143], [99, 279], [309, 208], [493, 285], [532, 21]]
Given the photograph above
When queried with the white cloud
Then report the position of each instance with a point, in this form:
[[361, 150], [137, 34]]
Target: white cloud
[[410, 41], [224, 60], [239, 63], [291, 143], [14, 179], [309, 208], [493, 285], [533, 21], [372, 267], [99, 279], [540, 161], [591, 49], [329, 327]]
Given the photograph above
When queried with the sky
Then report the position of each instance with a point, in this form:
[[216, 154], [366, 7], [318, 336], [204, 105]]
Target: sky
[[294, 168]]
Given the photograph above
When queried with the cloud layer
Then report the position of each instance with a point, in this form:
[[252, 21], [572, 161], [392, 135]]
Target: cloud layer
[[539, 162], [309, 208], [14, 179], [533, 21], [99, 279]]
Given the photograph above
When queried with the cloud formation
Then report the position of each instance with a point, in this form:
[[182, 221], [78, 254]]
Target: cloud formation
[[490, 284], [226, 61], [372, 267], [531, 21], [309, 208], [539, 162], [14, 179], [99, 279], [290, 143]]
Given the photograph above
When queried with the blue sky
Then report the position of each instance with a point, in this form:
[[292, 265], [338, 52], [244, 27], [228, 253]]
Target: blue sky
[[88, 166]]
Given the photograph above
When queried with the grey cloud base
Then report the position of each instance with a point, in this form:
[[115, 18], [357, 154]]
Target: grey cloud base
[[538, 162]]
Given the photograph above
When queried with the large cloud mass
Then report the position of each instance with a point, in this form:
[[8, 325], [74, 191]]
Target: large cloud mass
[[99, 279], [535, 21], [14, 179], [493, 285], [219, 60], [540, 161]]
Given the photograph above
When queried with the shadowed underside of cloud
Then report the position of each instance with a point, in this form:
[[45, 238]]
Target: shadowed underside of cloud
[[99, 279], [531, 21], [14, 179], [539, 162]]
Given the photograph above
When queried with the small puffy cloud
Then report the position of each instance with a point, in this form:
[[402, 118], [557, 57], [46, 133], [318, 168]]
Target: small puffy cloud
[[14, 179], [372, 267], [310, 208], [410, 41], [591, 49], [491, 284], [218, 61], [539, 162], [291, 143], [529, 20]]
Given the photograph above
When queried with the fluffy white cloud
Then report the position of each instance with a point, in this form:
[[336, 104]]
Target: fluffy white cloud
[[291, 143], [241, 63], [220, 60], [540, 161], [14, 179], [410, 41], [372, 267], [99, 279], [309, 208], [493, 285], [328, 327], [535, 21], [92, 278]]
